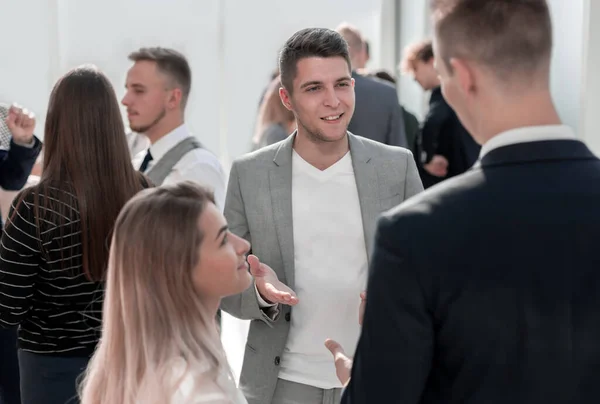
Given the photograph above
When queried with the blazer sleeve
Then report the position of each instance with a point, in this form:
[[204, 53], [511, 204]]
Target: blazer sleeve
[[412, 184], [17, 164], [395, 350], [244, 306]]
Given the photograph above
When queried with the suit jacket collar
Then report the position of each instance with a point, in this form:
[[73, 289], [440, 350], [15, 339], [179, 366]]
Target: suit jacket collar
[[526, 134], [531, 152], [280, 180]]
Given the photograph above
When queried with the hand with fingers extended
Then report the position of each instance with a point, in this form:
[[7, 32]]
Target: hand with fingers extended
[[343, 364], [21, 123], [271, 289]]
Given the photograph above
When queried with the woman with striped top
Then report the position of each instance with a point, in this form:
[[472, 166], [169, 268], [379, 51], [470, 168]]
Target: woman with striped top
[[54, 251]]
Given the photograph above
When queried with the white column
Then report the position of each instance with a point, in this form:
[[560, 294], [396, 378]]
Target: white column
[[387, 37], [567, 68], [590, 80], [413, 19]]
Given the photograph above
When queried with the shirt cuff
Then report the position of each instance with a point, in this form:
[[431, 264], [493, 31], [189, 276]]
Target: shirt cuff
[[261, 302], [27, 145]]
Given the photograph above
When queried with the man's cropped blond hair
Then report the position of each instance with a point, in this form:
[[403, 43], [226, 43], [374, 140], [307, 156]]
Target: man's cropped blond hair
[[510, 37]]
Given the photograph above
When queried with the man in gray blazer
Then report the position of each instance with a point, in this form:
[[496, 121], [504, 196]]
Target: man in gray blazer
[[309, 206], [378, 115]]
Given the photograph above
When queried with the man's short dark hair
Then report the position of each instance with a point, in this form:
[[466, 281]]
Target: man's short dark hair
[[309, 42], [171, 63], [510, 37]]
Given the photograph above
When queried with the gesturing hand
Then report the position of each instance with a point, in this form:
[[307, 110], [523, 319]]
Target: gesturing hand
[[343, 364], [269, 286]]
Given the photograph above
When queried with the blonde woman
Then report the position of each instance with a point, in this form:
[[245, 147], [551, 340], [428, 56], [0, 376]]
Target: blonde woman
[[172, 259]]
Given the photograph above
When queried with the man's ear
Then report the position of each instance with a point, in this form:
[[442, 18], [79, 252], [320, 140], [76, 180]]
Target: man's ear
[[175, 98], [285, 98], [465, 75]]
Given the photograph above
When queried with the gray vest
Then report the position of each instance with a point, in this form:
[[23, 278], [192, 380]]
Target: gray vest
[[164, 166]]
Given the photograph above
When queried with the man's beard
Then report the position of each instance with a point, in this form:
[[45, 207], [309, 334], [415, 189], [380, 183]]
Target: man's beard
[[146, 128]]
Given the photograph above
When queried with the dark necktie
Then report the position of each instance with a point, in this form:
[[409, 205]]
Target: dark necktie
[[147, 159]]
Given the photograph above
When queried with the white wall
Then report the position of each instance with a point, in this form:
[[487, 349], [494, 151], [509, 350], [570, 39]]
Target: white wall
[[413, 18], [574, 81], [27, 53], [256, 30], [232, 47], [590, 83], [86, 36]]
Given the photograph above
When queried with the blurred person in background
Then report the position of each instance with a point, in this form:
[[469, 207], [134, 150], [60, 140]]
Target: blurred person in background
[[444, 148], [377, 114], [275, 122], [411, 123]]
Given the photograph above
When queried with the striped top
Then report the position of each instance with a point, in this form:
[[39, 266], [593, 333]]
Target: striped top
[[43, 287]]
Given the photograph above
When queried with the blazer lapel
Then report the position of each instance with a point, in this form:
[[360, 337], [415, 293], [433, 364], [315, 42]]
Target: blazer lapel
[[280, 186], [367, 184]]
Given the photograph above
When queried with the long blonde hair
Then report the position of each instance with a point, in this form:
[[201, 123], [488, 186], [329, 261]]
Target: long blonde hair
[[153, 316]]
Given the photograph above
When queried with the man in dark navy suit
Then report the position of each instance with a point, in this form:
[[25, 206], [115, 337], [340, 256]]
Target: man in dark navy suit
[[486, 287], [19, 149]]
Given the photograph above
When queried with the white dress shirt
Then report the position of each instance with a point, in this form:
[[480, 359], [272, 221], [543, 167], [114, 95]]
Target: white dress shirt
[[527, 134], [137, 143], [198, 165]]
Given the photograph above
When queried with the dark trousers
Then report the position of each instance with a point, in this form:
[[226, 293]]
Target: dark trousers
[[9, 367], [50, 379]]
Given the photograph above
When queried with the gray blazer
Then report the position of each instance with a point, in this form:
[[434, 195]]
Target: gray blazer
[[377, 112], [258, 207]]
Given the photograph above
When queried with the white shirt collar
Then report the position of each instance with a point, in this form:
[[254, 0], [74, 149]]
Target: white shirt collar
[[527, 134], [168, 141]]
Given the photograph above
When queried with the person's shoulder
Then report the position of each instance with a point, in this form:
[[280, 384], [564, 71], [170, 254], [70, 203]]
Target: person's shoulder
[[201, 156], [375, 84], [449, 198], [382, 149], [198, 386], [260, 156], [24, 200]]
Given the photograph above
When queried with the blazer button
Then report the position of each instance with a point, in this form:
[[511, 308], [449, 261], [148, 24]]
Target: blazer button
[[288, 316], [277, 360]]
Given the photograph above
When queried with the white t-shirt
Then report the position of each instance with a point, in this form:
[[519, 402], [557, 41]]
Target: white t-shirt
[[330, 261]]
